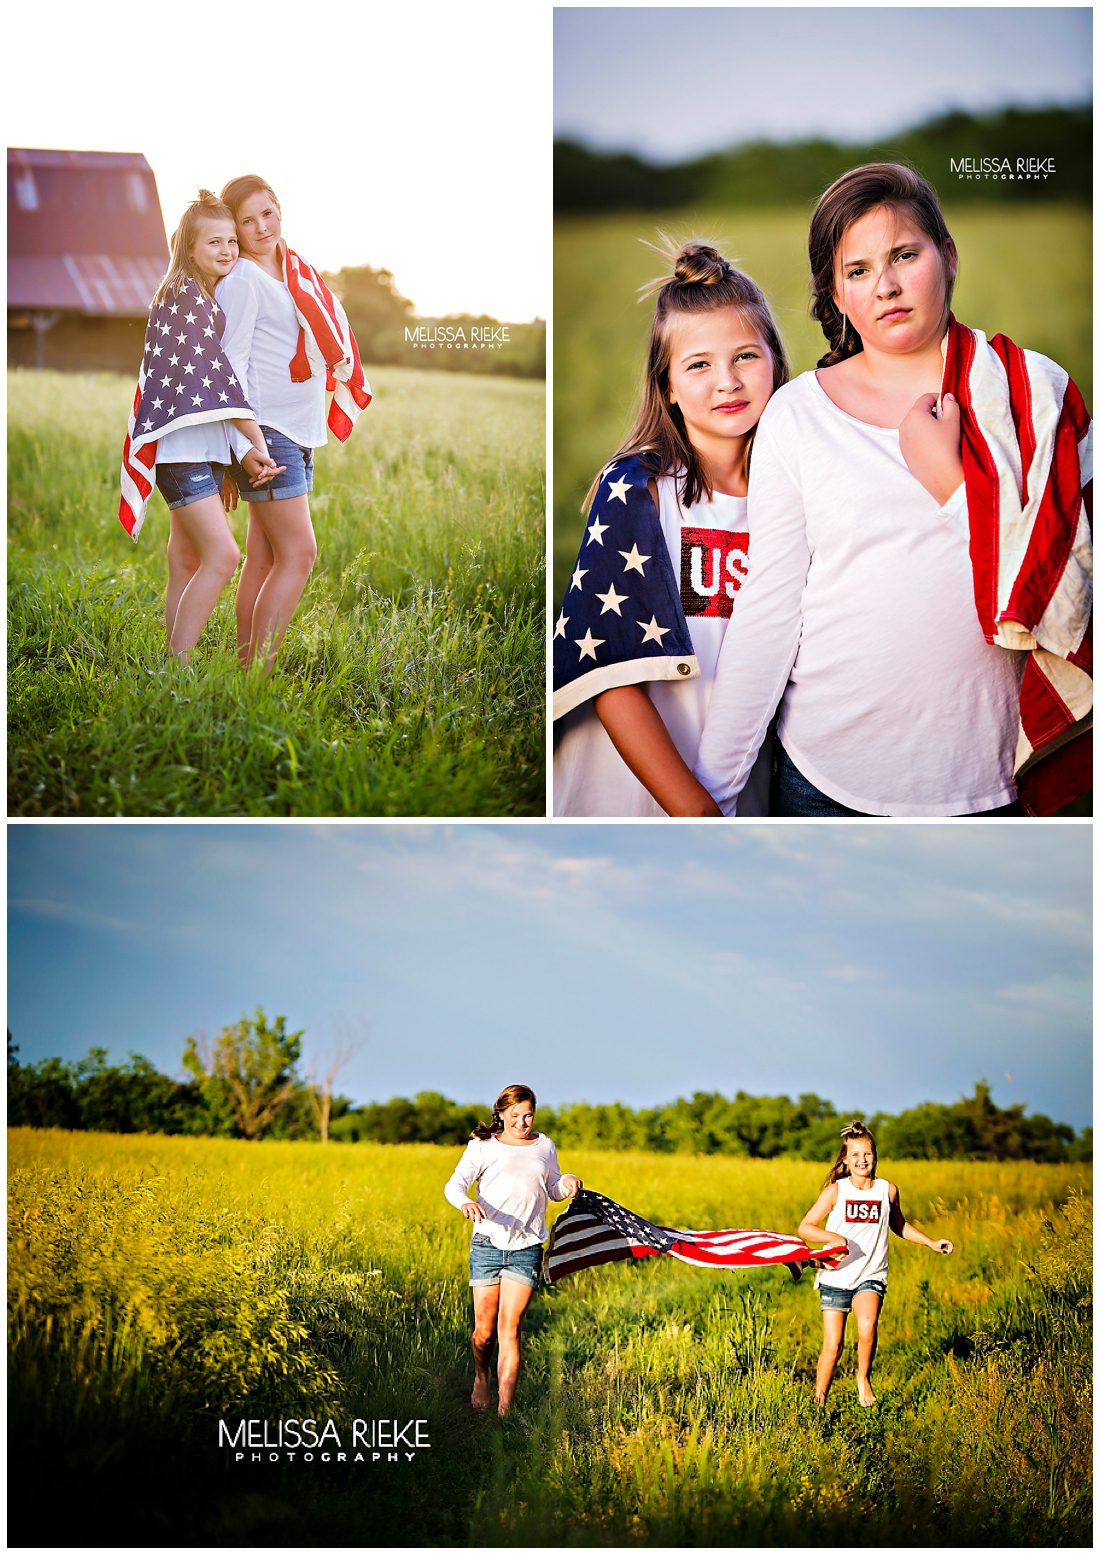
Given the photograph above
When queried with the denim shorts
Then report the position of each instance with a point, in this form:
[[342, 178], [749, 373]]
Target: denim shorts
[[182, 484], [833, 1299], [489, 1265], [295, 481]]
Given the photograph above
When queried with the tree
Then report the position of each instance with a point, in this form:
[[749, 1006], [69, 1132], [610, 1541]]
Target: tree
[[247, 1073], [322, 1080]]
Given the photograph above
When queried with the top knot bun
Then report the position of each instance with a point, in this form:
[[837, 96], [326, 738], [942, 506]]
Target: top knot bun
[[698, 264]]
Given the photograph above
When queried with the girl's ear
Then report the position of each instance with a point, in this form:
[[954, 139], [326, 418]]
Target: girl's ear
[[951, 259]]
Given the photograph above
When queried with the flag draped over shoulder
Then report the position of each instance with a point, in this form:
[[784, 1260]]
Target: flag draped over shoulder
[[325, 339], [1027, 456], [621, 621], [184, 380], [596, 1230]]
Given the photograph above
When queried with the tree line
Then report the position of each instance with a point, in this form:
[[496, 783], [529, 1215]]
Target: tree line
[[247, 1084]]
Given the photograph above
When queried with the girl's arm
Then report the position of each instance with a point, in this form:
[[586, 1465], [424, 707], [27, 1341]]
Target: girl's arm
[[557, 1185], [466, 1172], [638, 733], [761, 639], [901, 1227], [812, 1228]]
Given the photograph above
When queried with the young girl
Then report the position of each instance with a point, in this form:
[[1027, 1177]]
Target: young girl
[[290, 339], [899, 593], [517, 1172], [862, 1210], [189, 411], [666, 553]]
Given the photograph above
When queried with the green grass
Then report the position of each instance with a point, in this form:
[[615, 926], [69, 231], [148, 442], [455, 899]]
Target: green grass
[[1023, 272], [411, 681], [156, 1285]]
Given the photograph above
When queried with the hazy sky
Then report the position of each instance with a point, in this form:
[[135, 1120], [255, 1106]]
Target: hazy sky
[[673, 83], [876, 965], [396, 137]]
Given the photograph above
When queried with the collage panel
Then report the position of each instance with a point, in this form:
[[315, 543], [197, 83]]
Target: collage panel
[[822, 362], [810, 1134], [277, 431]]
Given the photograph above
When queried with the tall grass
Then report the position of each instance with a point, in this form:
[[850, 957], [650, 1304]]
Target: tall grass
[[157, 1285], [411, 681]]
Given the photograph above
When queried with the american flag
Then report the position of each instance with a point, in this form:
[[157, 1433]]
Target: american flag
[[621, 621], [185, 379], [596, 1230], [323, 324], [1027, 454]]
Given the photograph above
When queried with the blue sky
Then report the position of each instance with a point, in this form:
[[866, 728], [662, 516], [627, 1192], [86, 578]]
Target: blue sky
[[877, 966], [675, 83]]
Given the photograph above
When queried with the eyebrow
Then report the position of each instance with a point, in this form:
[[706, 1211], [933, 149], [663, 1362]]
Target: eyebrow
[[748, 345], [896, 248]]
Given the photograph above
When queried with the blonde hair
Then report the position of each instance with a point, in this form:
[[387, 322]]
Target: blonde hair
[[181, 266], [702, 281], [853, 1130], [507, 1098]]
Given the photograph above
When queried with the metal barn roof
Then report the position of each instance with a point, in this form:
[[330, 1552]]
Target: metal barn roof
[[85, 232]]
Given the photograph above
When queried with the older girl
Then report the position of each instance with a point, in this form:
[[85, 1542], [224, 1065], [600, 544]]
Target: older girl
[[875, 618], [860, 1210], [665, 553], [289, 336], [189, 412], [517, 1172]]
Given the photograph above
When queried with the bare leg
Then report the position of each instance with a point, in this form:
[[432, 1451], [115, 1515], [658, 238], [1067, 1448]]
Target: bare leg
[[258, 562], [514, 1300], [183, 563], [486, 1300], [207, 528], [289, 532], [866, 1308], [832, 1346]]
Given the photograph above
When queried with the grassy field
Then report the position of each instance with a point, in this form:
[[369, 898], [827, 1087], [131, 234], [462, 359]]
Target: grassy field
[[1026, 273], [156, 1285], [411, 681]]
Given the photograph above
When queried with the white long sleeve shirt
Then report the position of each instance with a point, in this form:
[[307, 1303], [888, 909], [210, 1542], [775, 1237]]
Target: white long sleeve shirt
[[514, 1185], [858, 620], [261, 337]]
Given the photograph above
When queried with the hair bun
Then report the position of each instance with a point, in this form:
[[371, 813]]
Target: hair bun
[[698, 264]]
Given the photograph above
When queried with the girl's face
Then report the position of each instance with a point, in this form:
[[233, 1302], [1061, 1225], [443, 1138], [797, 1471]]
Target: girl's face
[[859, 1157], [720, 374], [214, 251], [259, 226], [891, 281], [518, 1120]]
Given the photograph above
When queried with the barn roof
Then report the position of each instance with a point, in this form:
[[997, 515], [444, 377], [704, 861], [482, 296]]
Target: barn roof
[[85, 231]]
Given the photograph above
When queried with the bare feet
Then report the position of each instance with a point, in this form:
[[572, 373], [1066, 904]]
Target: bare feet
[[866, 1396], [479, 1398]]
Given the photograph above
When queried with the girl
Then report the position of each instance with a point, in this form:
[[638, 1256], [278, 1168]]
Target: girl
[[289, 336], [188, 412], [862, 1210], [666, 552], [516, 1171], [896, 695]]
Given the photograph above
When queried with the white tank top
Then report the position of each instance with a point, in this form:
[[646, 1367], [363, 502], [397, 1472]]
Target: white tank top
[[864, 1220]]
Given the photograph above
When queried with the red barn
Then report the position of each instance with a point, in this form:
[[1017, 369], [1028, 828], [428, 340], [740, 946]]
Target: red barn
[[86, 252]]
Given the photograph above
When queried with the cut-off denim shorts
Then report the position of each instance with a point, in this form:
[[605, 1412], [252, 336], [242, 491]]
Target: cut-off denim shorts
[[295, 481], [489, 1265], [182, 484], [833, 1299]]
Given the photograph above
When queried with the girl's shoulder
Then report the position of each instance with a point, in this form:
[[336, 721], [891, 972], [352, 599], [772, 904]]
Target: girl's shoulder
[[791, 397], [244, 276]]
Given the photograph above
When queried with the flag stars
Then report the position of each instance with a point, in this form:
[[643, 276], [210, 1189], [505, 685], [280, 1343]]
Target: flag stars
[[216, 365], [189, 367], [165, 329], [157, 403], [206, 382], [617, 490], [173, 360], [611, 601], [224, 397], [190, 319], [174, 309], [588, 644], [634, 561], [580, 572], [199, 349], [652, 633], [596, 531], [208, 332], [196, 399], [560, 625], [148, 425]]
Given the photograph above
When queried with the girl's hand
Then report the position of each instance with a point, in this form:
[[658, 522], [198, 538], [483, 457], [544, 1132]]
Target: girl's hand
[[229, 492], [260, 468], [571, 1184], [473, 1212], [931, 445], [943, 1246]]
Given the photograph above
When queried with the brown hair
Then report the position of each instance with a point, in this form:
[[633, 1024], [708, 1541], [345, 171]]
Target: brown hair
[[507, 1098], [180, 264], [701, 282], [238, 190], [853, 1130], [854, 193]]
